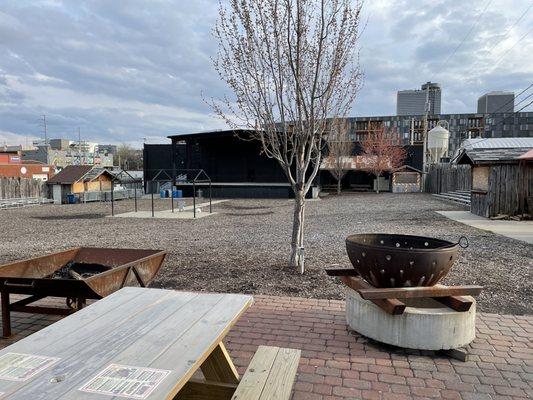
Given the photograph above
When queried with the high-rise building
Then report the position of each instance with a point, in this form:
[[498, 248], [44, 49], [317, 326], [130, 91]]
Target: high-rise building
[[496, 102], [413, 102]]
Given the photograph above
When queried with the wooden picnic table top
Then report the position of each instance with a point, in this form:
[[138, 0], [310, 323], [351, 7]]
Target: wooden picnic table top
[[169, 332]]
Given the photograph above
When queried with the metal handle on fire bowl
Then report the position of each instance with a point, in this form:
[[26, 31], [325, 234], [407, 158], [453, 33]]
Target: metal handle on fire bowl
[[463, 242]]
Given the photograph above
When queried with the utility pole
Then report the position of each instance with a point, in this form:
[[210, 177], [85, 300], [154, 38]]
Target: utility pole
[[79, 146], [425, 140], [45, 130]]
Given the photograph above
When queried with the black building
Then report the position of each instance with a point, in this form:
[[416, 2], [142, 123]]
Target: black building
[[156, 157], [232, 160], [237, 166]]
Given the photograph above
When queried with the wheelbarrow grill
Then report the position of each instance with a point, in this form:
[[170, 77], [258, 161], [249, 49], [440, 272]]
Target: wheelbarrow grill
[[35, 277]]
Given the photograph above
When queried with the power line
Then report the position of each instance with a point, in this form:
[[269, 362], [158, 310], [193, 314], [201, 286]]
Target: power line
[[510, 48], [512, 114], [505, 35], [505, 118], [512, 26], [513, 99], [468, 33], [524, 99]]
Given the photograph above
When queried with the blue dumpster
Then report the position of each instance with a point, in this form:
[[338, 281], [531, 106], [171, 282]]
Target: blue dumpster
[[163, 193], [177, 194], [72, 198]]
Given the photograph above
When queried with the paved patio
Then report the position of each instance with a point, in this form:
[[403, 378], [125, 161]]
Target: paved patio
[[338, 364], [519, 230]]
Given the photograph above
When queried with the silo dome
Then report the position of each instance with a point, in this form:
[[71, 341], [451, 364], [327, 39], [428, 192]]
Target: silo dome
[[438, 141]]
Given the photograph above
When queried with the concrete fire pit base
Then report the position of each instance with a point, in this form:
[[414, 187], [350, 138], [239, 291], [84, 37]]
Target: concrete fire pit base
[[425, 325]]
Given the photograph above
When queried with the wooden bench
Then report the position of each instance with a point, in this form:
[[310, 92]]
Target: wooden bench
[[270, 376]]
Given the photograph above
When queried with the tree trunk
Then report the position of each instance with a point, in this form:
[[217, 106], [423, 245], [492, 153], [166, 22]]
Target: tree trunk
[[339, 186], [377, 183], [297, 240]]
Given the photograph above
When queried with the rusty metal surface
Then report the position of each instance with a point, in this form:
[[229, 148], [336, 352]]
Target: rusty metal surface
[[386, 260], [34, 276]]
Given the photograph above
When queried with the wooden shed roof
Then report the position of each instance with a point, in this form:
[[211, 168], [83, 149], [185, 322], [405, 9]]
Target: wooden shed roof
[[74, 173], [491, 155]]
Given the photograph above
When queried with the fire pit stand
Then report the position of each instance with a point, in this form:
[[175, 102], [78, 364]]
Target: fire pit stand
[[424, 317]]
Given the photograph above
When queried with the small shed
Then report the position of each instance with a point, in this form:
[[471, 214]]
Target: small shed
[[75, 179], [502, 182], [406, 179]]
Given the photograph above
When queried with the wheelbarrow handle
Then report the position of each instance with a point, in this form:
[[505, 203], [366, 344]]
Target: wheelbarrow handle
[[19, 285]]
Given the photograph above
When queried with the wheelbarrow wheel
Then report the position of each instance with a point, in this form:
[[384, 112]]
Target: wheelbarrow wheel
[[74, 303], [71, 302]]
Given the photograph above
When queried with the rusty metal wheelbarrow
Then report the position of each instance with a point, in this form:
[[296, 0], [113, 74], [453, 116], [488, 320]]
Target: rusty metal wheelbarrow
[[39, 278]]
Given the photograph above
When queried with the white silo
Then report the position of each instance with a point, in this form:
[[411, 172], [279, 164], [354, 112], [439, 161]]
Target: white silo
[[438, 142]]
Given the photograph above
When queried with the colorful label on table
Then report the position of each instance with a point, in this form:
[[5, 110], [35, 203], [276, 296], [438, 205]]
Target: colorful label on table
[[126, 381], [21, 367]]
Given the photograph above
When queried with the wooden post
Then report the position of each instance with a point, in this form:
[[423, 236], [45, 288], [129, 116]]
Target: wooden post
[[6, 316], [218, 367]]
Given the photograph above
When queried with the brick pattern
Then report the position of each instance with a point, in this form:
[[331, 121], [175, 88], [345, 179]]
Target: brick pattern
[[341, 364]]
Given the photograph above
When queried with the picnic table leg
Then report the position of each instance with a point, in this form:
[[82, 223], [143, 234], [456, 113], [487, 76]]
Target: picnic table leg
[[6, 316], [218, 367]]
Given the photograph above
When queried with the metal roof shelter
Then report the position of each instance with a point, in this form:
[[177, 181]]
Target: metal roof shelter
[[498, 143], [491, 155]]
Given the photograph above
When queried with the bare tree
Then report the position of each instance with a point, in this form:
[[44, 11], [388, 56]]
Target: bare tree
[[128, 158], [291, 64], [382, 152], [338, 160]]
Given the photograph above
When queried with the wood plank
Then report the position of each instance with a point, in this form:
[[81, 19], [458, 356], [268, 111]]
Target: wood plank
[[457, 303], [180, 344], [419, 291], [341, 272], [256, 375], [391, 306], [80, 351], [281, 379], [218, 367], [206, 390]]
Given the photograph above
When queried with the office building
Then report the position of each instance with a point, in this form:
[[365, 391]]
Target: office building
[[413, 102], [496, 102]]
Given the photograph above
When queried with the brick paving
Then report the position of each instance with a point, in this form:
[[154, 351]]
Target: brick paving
[[341, 364]]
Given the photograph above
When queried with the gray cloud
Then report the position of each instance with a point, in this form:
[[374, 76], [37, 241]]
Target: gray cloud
[[127, 70]]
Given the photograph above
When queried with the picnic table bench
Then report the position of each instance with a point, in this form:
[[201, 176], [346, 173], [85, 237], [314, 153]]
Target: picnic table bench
[[141, 343]]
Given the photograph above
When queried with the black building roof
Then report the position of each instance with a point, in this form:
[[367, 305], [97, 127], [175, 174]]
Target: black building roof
[[210, 134]]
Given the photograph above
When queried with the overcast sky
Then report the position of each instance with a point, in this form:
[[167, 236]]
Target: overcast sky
[[127, 70]]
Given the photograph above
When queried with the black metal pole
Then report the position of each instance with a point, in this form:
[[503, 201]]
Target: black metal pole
[[194, 199], [152, 190], [112, 202], [172, 195], [210, 206], [135, 195]]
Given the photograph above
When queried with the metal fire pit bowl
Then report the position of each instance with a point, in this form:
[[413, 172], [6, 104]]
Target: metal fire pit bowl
[[386, 260]]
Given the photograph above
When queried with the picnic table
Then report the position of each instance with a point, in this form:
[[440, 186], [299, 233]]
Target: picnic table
[[137, 343]]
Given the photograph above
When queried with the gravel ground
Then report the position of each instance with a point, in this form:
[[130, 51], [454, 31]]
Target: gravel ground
[[244, 248]]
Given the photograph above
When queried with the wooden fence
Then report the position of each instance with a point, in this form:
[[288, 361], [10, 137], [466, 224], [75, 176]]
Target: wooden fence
[[509, 190], [442, 178], [19, 188]]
